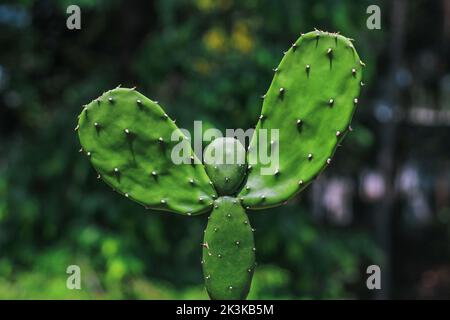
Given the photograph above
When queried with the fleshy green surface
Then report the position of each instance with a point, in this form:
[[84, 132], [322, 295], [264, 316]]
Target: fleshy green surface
[[228, 251], [224, 160], [311, 101], [127, 137]]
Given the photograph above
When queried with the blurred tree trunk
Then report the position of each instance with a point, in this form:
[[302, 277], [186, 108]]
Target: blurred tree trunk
[[387, 134]]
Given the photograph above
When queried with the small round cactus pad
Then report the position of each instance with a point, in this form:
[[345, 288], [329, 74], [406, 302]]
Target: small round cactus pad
[[306, 113], [224, 160]]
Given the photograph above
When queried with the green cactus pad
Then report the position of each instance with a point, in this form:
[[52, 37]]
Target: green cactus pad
[[311, 100], [228, 251], [127, 137], [224, 160]]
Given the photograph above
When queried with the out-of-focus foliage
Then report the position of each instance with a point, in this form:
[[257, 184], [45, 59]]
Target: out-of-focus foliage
[[206, 60]]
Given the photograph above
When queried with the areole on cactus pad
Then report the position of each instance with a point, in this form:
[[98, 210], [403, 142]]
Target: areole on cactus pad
[[311, 101]]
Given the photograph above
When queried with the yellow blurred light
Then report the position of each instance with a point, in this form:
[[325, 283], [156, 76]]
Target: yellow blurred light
[[215, 39]]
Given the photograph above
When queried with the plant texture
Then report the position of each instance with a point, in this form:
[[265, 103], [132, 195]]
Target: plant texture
[[311, 101]]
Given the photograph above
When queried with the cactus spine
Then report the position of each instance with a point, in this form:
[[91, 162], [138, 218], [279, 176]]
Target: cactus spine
[[311, 101]]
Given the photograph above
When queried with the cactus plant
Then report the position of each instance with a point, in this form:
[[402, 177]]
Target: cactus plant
[[311, 101]]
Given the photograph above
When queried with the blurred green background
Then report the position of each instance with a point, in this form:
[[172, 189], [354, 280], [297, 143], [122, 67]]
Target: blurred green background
[[384, 201]]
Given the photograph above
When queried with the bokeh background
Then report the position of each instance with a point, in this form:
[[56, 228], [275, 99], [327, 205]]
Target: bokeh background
[[385, 200]]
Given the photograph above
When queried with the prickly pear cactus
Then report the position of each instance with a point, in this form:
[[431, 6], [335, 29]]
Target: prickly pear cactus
[[127, 137], [311, 101], [228, 251]]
